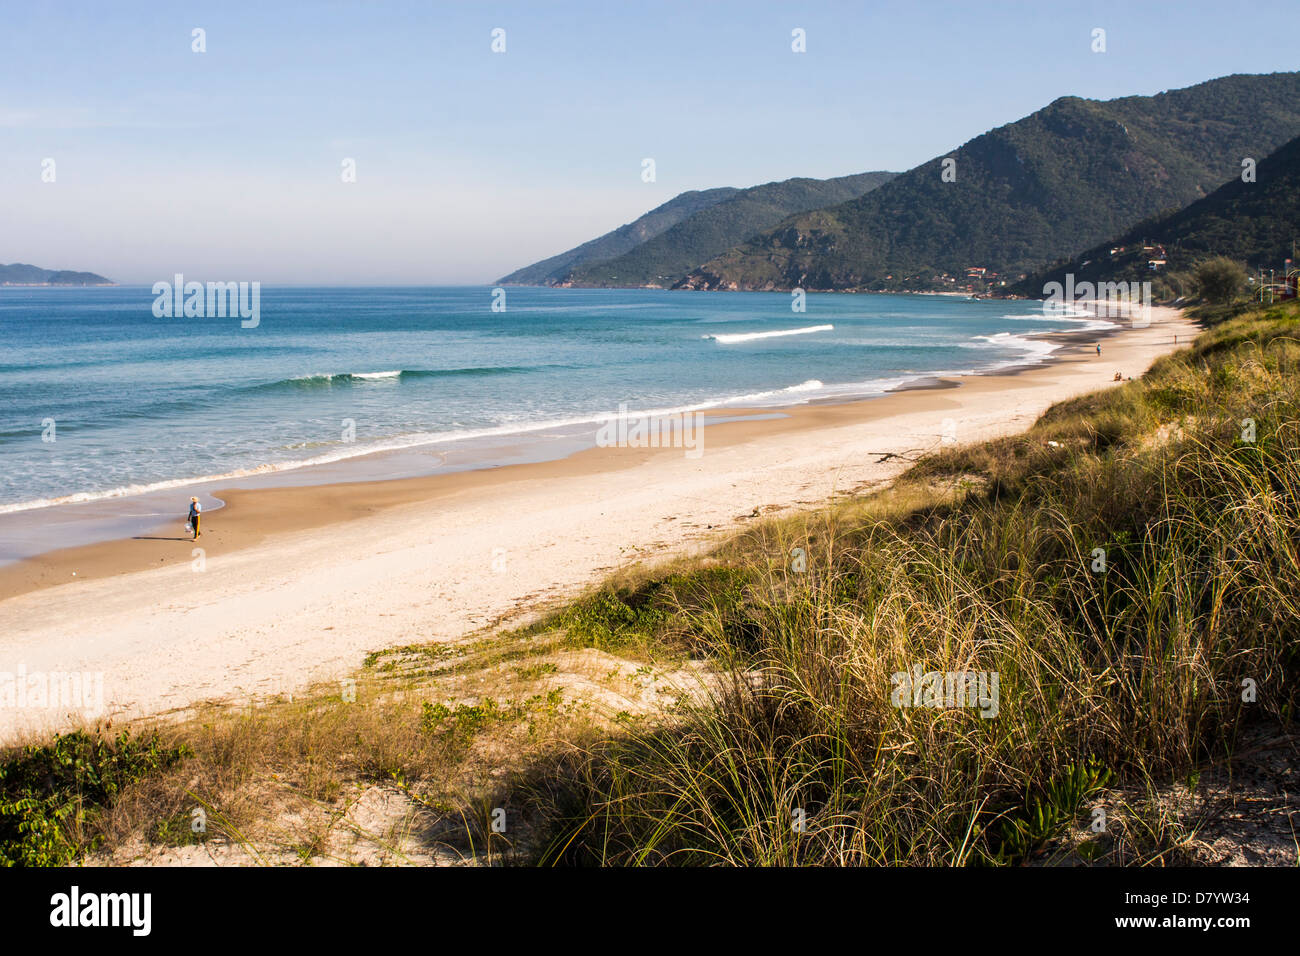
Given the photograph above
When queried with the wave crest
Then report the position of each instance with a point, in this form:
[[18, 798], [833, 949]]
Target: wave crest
[[330, 380], [731, 338]]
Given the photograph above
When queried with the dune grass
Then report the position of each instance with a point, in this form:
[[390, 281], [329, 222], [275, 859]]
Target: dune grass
[[274, 778], [1127, 673]]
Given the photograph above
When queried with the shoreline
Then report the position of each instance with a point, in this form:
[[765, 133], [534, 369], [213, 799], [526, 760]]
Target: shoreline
[[104, 556], [471, 441], [31, 530], [299, 582]]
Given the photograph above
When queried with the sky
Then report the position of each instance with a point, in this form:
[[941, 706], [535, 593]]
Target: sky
[[227, 165]]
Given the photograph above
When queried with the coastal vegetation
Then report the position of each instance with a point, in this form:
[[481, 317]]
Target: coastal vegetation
[[1219, 280], [1127, 567]]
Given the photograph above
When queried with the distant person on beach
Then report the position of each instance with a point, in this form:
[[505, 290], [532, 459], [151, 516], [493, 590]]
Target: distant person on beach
[[196, 512], [1098, 348]]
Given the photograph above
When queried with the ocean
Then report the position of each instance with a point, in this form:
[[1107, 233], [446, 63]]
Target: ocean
[[101, 400]]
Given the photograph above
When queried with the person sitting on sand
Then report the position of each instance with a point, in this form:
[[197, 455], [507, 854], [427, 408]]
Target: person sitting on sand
[[196, 511]]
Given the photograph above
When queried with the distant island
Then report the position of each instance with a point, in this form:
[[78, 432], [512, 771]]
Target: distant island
[[21, 274]]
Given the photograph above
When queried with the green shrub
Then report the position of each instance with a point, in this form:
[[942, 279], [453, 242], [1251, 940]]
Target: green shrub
[[1219, 280], [51, 795]]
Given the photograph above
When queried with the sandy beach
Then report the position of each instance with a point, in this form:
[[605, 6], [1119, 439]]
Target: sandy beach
[[296, 585]]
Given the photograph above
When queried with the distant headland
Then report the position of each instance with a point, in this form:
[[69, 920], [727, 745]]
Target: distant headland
[[21, 274]]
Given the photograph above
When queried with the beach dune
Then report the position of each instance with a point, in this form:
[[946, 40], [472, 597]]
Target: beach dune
[[295, 585]]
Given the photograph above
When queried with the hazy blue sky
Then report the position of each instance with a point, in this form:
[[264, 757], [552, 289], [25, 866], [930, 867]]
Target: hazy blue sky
[[226, 164]]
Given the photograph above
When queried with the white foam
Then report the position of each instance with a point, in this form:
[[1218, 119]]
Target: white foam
[[1089, 321], [414, 441], [812, 385], [1033, 348], [732, 338]]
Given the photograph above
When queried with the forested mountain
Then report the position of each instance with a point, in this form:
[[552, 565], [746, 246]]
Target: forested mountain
[[667, 258], [612, 244], [1252, 222], [1026, 194], [667, 242]]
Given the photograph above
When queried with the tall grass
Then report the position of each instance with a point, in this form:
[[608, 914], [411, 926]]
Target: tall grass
[[1128, 676]]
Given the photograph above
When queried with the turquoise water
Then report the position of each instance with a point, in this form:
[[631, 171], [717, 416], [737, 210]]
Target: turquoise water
[[141, 403]]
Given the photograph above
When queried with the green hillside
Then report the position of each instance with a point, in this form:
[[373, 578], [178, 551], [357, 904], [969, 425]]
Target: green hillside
[[1026, 194], [612, 244], [667, 258], [1252, 222]]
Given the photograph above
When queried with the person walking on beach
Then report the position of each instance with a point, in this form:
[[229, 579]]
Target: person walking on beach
[[196, 512], [1098, 348]]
